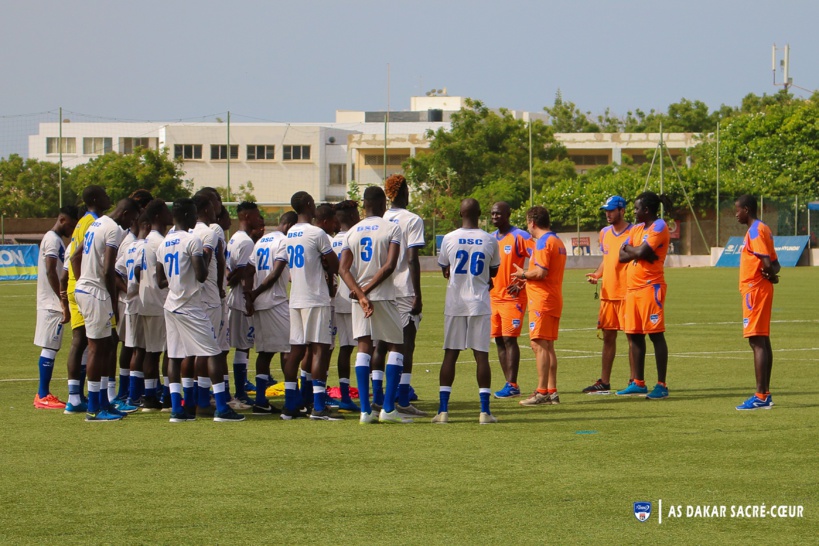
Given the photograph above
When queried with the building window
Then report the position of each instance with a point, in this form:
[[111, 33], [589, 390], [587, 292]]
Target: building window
[[97, 145], [220, 151], [378, 159], [187, 151], [260, 152], [296, 153], [129, 145], [69, 145], [590, 159], [338, 174]]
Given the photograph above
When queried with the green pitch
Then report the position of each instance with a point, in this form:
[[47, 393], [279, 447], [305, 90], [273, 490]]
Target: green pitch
[[555, 474]]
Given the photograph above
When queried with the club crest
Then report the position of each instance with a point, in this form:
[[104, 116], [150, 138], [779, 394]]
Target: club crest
[[642, 510], [654, 319], [507, 248]]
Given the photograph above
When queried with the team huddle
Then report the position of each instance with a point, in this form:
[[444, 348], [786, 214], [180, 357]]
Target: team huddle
[[192, 295]]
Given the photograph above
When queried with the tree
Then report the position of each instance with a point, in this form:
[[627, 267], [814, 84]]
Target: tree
[[244, 193], [30, 188], [566, 117]]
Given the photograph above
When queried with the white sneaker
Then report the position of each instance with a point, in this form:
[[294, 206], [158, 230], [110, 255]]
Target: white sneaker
[[487, 418], [237, 405], [366, 418], [410, 411], [392, 417], [441, 419]]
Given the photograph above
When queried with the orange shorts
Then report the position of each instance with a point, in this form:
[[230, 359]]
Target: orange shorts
[[542, 325], [756, 310], [612, 315], [645, 310], [507, 318]]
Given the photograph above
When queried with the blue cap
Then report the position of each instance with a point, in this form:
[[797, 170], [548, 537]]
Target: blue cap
[[614, 202]]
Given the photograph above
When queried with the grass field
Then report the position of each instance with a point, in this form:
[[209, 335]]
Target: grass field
[[556, 474]]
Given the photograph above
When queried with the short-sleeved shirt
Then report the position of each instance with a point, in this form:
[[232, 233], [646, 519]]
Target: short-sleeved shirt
[[125, 243], [412, 236], [176, 256], [51, 247], [129, 255], [470, 254], [237, 256], [77, 238], [514, 247], [220, 237], [102, 234], [210, 289], [546, 295], [369, 241], [758, 244], [150, 295], [640, 273], [305, 246], [267, 249], [341, 301], [614, 272]]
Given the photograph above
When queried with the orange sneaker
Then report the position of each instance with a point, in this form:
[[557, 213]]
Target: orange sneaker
[[48, 402]]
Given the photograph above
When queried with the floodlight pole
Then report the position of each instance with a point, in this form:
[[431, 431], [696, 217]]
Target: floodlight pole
[[662, 173], [717, 207], [228, 155], [531, 183], [60, 147]]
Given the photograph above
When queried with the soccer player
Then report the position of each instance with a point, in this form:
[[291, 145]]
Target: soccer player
[[96, 201], [347, 216], [96, 295], [368, 259], [469, 258], [508, 298], [48, 334], [544, 285], [241, 273], [270, 307], [645, 254], [758, 272], [309, 256], [181, 266], [152, 297], [611, 317]]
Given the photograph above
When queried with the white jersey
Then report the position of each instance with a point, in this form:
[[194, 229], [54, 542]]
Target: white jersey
[[305, 245], [220, 240], [51, 247], [267, 250], [176, 256], [102, 234], [470, 254], [152, 298], [68, 250], [341, 301], [125, 243], [210, 289], [412, 236], [239, 251], [128, 256], [369, 241]]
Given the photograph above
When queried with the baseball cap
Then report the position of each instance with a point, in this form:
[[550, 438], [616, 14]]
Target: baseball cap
[[614, 202]]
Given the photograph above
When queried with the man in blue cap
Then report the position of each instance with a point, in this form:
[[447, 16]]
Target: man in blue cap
[[611, 318]]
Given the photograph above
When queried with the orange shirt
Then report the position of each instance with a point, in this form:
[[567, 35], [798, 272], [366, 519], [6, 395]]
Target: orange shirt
[[640, 273], [514, 248], [758, 244], [546, 295], [614, 273]]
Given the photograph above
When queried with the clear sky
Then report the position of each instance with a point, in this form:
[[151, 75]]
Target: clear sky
[[301, 60]]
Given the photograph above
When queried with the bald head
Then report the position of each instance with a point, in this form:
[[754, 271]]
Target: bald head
[[470, 210], [500, 213]]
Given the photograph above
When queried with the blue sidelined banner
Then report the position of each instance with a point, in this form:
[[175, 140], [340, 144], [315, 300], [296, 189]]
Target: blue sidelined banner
[[788, 250], [18, 262]]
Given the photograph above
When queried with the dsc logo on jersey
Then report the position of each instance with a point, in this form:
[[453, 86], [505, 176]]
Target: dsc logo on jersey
[[470, 241]]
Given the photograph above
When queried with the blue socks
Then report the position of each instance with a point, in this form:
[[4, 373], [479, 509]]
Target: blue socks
[[319, 392], [292, 398], [46, 368], [93, 396], [240, 373], [124, 383], [378, 387], [176, 397], [203, 391], [484, 394], [362, 375], [395, 365], [74, 397], [443, 397], [189, 392], [222, 397], [150, 388], [306, 388], [261, 387], [136, 385], [344, 386], [404, 390]]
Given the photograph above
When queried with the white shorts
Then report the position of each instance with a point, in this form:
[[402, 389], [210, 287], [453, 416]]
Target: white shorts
[[224, 327], [97, 314], [190, 334], [463, 333], [153, 329], [404, 305], [48, 334], [241, 333], [311, 325], [344, 329], [122, 328], [134, 334], [273, 329], [383, 325]]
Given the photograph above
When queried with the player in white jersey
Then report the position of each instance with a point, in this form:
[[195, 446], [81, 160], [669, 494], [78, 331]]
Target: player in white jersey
[[271, 311], [469, 258], [152, 297], [241, 274], [96, 294], [309, 257], [407, 281], [368, 259], [125, 353], [51, 314], [181, 267]]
